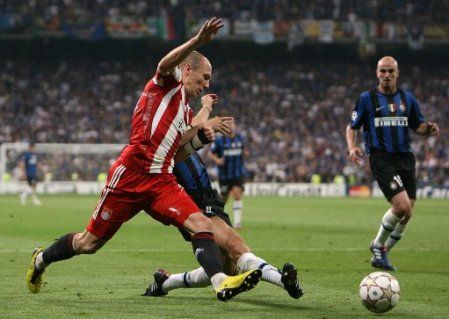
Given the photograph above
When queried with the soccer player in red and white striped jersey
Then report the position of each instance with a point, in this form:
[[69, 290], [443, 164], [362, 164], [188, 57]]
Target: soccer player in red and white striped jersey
[[141, 178]]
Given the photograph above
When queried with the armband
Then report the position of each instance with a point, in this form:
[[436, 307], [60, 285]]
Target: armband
[[197, 142]]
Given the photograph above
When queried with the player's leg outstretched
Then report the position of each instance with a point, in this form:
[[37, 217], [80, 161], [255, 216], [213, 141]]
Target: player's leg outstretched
[[34, 275], [229, 287]]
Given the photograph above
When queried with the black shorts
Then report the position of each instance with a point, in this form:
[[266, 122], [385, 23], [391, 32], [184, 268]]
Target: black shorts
[[211, 204], [227, 184], [32, 180], [394, 172]]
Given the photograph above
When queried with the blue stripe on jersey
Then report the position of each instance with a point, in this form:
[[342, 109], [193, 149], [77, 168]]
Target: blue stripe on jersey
[[192, 174], [231, 148], [30, 160], [184, 176], [201, 170], [386, 120]]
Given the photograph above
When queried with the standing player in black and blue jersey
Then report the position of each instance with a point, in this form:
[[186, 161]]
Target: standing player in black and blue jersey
[[29, 167], [228, 153], [191, 173], [386, 114]]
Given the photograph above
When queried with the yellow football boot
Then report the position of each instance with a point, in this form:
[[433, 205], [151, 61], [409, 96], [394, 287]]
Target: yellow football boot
[[34, 277], [232, 286]]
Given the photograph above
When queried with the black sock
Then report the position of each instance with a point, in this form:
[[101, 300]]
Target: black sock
[[207, 253], [60, 250]]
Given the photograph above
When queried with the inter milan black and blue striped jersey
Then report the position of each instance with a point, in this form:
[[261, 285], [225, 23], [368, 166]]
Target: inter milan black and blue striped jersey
[[30, 160], [192, 174], [386, 120], [231, 149]]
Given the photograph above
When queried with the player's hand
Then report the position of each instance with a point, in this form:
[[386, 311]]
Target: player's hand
[[209, 100], [208, 30], [220, 161], [356, 156], [222, 124], [207, 132], [432, 129]]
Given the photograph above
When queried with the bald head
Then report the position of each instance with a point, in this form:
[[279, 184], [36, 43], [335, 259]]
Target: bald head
[[387, 73], [387, 61], [195, 60]]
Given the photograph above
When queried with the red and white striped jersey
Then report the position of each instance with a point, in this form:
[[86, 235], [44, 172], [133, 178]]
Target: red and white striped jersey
[[160, 118]]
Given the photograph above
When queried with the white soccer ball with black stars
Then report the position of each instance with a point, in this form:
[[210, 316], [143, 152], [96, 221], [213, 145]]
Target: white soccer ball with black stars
[[379, 292]]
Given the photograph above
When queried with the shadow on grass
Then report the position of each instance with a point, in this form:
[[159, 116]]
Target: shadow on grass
[[272, 305]]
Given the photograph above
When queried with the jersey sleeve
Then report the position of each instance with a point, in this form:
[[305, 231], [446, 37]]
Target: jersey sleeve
[[359, 114], [415, 117], [168, 81]]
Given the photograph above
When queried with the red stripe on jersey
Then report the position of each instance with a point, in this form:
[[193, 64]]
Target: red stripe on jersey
[[163, 127], [147, 105], [171, 154], [146, 140]]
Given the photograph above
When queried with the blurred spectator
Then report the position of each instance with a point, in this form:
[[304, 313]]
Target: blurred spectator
[[293, 117], [44, 12]]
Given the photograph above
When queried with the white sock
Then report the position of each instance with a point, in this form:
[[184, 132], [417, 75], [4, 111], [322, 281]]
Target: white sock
[[237, 208], [389, 222], [39, 262], [195, 278], [395, 236], [35, 199], [249, 261], [217, 279], [24, 195]]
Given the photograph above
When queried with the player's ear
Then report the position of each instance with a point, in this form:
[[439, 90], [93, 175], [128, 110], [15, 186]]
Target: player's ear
[[397, 73], [188, 68]]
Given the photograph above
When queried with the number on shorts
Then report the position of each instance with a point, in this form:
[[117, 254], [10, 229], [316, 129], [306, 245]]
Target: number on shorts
[[398, 180]]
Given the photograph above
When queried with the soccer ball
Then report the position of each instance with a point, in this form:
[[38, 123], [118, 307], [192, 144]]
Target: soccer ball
[[379, 292]]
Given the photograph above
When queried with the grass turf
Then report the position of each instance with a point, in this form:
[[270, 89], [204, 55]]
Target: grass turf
[[326, 238]]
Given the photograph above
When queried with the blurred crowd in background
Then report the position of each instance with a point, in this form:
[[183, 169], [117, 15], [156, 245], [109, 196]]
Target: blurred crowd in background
[[263, 20], [293, 116], [29, 12]]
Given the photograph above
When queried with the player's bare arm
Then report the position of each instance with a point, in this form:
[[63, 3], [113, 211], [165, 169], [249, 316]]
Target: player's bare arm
[[177, 55], [355, 153], [220, 124], [208, 101], [217, 160], [192, 132], [428, 129]]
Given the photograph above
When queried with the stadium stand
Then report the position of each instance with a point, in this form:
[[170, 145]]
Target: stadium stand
[[292, 112], [293, 117]]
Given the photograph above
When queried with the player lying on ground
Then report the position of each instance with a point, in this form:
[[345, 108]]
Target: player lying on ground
[[192, 175], [141, 178]]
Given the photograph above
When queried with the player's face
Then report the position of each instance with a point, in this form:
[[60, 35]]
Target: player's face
[[198, 79], [387, 73]]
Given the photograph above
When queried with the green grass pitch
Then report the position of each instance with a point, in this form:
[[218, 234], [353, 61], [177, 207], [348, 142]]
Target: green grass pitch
[[326, 238]]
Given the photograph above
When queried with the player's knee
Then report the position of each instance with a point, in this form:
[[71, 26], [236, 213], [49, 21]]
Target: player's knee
[[404, 208], [89, 248], [199, 223], [237, 192], [85, 245], [236, 247]]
